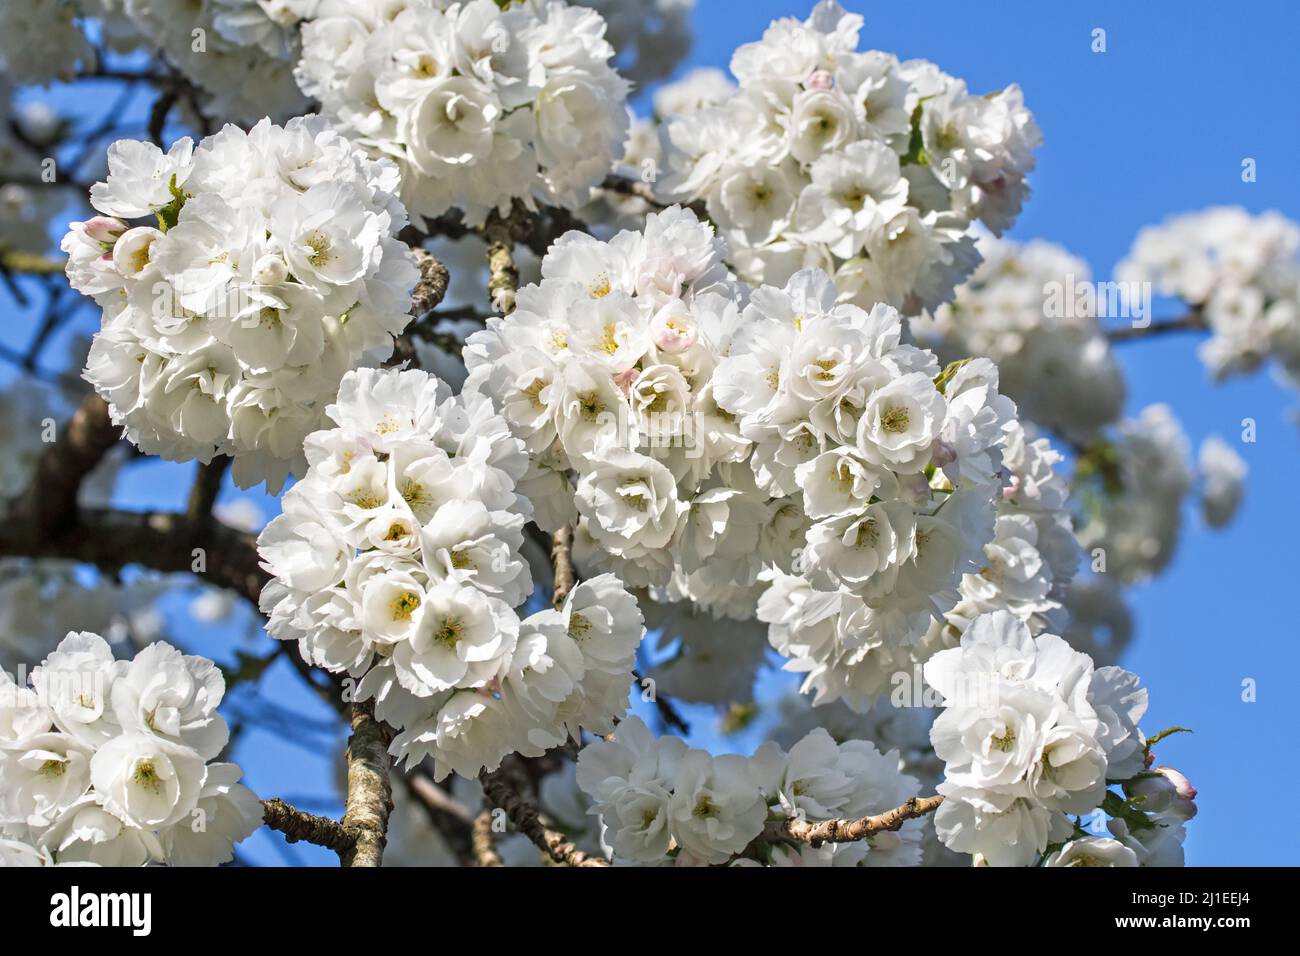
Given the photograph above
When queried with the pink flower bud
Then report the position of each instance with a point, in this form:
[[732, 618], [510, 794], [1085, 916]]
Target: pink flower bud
[[1181, 783], [625, 378], [820, 80], [941, 453], [104, 229], [672, 333]]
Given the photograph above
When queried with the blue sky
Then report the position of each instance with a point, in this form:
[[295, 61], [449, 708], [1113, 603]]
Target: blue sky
[[1156, 125]]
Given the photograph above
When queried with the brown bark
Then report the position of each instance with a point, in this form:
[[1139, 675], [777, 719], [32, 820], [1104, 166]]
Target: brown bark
[[370, 795], [849, 831]]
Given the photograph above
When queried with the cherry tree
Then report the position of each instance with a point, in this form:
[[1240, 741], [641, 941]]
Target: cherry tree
[[563, 407]]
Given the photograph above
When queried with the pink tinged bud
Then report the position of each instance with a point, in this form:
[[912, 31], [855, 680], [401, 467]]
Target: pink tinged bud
[[672, 334], [1150, 759], [104, 229], [941, 453], [820, 80], [1181, 784], [625, 378]]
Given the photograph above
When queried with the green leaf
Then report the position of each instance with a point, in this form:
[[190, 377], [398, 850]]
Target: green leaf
[[170, 214], [943, 378], [916, 143], [1168, 731]]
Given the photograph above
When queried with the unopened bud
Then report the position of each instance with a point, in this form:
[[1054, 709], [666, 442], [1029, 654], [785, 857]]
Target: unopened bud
[[1181, 783], [104, 229], [941, 453], [820, 80], [270, 270]]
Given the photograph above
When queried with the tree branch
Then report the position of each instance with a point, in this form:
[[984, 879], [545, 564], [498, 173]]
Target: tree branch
[[485, 851], [162, 541], [370, 795], [206, 488], [503, 275], [632, 187], [30, 263], [667, 712], [849, 831], [431, 289], [551, 842], [298, 825], [1191, 322], [84, 442], [565, 577]]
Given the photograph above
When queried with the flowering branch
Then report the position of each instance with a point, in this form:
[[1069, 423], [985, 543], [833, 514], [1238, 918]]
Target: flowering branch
[[524, 815], [849, 831]]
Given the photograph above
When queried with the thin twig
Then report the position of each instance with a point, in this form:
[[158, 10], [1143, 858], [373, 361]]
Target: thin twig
[[667, 712], [485, 851], [299, 825], [849, 831], [632, 187], [1192, 322], [565, 577]]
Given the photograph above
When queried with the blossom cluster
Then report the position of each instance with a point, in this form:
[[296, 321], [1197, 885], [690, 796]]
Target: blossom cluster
[[111, 762], [478, 106], [1240, 272], [890, 470], [1034, 554], [27, 132], [1055, 362], [723, 437], [1132, 488], [651, 36], [605, 368], [42, 40], [397, 560], [1030, 735], [661, 802], [41, 601], [238, 53], [852, 162], [272, 269]]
